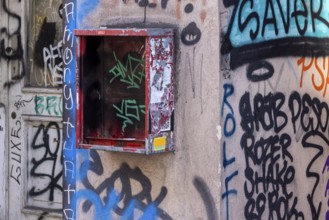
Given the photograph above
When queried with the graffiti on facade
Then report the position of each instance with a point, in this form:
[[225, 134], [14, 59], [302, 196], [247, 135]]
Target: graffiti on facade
[[46, 45], [129, 111], [147, 3], [191, 34], [278, 170], [68, 14], [315, 69], [15, 162], [121, 202], [21, 102], [259, 30], [46, 167], [206, 197], [11, 48], [131, 73], [325, 170], [49, 105], [268, 122], [228, 116], [281, 117]]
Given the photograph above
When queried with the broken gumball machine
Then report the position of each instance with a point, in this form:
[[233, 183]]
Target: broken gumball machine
[[125, 90]]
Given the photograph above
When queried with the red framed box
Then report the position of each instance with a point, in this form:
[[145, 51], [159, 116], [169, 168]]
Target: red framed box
[[125, 90]]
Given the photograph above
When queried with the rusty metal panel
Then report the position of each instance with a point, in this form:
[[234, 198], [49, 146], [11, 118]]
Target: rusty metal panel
[[161, 102], [125, 32]]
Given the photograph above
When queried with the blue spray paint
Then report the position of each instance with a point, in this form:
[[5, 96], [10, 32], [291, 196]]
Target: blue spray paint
[[69, 97], [84, 8], [229, 192], [228, 132], [226, 161], [228, 91], [104, 210], [123, 203]]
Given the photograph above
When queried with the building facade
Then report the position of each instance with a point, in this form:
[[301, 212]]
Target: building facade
[[247, 90]]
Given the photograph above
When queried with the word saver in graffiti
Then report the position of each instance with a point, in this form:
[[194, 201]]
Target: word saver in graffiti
[[132, 73], [261, 29], [51, 153], [122, 202], [129, 111]]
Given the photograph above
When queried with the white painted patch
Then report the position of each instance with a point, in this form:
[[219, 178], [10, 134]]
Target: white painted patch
[[219, 132]]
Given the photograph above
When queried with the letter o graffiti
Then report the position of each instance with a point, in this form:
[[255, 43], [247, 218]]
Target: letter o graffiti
[[253, 67], [68, 56], [289, 175], [227, 132], [191, 34]]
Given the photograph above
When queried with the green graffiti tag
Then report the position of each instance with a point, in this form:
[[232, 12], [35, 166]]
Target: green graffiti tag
[[128, 111], [52, 105], [132, 73]]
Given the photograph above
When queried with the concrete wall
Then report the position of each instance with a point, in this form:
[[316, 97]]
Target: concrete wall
[[251, 114], [274, 110], [180, 185]]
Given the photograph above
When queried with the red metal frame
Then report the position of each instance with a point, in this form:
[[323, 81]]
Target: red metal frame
[[115, 144], [147, 81], [79, 101], [125, 32]]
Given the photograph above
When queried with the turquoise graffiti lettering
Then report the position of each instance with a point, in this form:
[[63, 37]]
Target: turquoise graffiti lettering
[[257, 21], [52, 105], [38, 104]]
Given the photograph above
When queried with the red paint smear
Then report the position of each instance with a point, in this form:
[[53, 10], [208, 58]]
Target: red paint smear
[[203, 15]]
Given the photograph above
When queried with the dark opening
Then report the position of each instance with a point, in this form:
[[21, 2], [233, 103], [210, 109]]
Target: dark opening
[[113, 86]]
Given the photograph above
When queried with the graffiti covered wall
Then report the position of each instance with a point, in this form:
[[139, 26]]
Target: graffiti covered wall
[[46, 44], [259, 148], [123, 185], [31, 130], [274, 109]]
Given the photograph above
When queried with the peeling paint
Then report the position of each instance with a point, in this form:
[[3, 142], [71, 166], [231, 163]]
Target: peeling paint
[[161, 69]]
